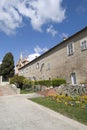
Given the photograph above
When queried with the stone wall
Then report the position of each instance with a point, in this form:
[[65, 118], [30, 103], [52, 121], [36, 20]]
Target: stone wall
[[71, 90], [0, 80], [14, 88], [3, 83]]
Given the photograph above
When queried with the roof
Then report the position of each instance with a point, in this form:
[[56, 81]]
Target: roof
[[84, 29]]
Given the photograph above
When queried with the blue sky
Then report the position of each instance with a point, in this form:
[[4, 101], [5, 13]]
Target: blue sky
[[34, 26]]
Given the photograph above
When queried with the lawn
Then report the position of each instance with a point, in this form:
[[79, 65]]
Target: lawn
[[25, 91], [75, 113]]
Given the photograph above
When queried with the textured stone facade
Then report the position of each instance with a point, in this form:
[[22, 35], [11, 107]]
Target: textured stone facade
[[66, 60]]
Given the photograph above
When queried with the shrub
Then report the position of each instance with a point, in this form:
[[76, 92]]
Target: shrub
[[18, 81], [43, 82], [36, 82], [47, 83], [27, 83], [57, 82]]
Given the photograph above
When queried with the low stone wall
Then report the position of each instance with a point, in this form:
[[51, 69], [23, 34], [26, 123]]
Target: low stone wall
[[3, 83], [15, 89], [71, 90], [0, 80], [65, 89]]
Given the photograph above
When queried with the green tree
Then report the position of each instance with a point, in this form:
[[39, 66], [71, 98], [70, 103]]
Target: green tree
[[7, 66], [17, 80], [0, 69]]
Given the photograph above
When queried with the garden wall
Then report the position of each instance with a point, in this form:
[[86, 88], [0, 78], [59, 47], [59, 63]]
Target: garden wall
[[71, 90]]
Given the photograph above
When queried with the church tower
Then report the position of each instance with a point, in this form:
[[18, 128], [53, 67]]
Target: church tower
[[21, 62]]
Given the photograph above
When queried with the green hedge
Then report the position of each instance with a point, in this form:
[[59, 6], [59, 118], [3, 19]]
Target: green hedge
[[43, 82], [27, 84], [24, 83], [57, 82], [53, 82]]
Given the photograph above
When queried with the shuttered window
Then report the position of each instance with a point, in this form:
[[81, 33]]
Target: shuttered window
[[70, 48], [83, 44]]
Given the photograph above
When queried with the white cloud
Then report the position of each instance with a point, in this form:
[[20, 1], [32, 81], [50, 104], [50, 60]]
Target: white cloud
[[9, 17], [37, 52], [37, 49], [39, 12], [51, 30], [64, 35], [33, 56]]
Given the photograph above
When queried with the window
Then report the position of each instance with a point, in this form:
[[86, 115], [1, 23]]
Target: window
[[22, 71], [48, 66], [42, 65], [70, 48], [83, 44], [37, 66]]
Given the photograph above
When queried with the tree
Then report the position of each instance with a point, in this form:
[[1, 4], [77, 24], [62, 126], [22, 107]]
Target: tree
[[0, 69], [18, 81], [7, 66]]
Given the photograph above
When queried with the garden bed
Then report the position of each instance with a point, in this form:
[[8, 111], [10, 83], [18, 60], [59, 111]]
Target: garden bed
[[75, 108]]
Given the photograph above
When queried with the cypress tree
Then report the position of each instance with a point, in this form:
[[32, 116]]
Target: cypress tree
[[7, 66]]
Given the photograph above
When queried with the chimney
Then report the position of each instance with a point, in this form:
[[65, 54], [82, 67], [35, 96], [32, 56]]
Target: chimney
[[64, 38]]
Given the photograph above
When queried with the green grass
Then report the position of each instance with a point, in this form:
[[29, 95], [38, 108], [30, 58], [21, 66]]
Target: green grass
[[70, 111], [25, 91]]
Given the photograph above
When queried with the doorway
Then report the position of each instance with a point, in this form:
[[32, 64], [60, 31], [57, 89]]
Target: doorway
[[73, 78]]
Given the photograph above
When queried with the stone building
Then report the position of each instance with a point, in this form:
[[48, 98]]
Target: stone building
[[67, 60], [21, 62]]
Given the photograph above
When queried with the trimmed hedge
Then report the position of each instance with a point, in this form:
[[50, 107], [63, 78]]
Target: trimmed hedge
[[27, 84], [53, 82], [24, 83], [57, 82], [45, 83]]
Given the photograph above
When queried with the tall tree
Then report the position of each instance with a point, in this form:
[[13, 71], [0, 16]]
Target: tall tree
[[7, 66], [0, 69]]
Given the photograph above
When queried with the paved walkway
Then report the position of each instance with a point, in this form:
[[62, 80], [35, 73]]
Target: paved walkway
[[18, 113]]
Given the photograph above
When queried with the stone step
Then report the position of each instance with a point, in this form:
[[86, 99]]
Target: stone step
[[7, 90]]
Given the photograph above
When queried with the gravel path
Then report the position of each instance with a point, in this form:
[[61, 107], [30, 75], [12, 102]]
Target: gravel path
[[18, 113]]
